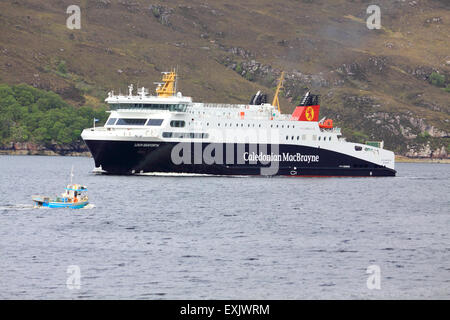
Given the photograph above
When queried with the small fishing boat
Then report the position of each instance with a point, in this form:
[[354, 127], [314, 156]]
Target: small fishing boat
[[75, 197]]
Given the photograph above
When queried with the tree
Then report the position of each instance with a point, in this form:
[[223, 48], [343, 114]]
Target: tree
[[30, 114]]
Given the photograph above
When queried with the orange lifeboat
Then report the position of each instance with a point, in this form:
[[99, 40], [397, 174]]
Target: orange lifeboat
[[327, 124]]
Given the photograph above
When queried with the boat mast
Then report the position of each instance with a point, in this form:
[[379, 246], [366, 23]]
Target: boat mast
[[71, 175], [276, 102]]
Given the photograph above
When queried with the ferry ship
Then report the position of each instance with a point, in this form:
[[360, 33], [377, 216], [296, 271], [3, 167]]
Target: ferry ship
[[168, 133]]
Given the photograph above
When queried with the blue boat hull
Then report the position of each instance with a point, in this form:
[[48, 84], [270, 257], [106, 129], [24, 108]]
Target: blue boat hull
[[70, 205], [67, 205]]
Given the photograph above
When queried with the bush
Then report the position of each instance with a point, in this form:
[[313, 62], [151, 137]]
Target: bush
[[238, 68], [437, 79], [62, 68]]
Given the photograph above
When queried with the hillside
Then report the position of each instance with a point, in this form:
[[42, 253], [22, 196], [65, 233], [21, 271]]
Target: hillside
[[391, 84]]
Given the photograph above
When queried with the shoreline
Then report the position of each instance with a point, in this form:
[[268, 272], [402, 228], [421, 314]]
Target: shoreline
[[403, 159], [87, 154], [44, 153]]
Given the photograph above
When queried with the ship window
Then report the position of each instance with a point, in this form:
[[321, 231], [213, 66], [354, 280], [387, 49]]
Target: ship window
[[287, 137], [298, 137], [111, 121], [292, 138], [131, 122], [319, 138], [329, 138], [170, 107], [358, 148], [177, 123], [183, 135], [154, 122]]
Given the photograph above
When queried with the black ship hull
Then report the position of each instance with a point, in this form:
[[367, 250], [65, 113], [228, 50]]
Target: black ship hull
[[130, 157]]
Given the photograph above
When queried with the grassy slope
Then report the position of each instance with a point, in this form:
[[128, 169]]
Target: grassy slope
[[319, 37]]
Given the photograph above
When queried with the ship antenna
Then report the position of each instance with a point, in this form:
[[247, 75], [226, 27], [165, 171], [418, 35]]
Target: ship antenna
[[276, 102], [176, 79]]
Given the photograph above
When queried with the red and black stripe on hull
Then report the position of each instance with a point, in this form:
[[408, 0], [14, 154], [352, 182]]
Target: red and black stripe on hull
[[128, 157]]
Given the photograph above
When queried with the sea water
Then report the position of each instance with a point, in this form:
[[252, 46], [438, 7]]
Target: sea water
[[183, 237]]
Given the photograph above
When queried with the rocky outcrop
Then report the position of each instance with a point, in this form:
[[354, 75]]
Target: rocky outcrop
[[162, 13], [427, 152]]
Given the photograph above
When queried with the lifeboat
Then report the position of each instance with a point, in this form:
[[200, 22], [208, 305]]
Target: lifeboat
[[326, 124]]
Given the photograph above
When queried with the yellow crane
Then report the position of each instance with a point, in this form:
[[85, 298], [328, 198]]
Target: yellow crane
[[275, 101]]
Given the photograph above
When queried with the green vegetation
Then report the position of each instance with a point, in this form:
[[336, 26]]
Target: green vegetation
[[423, 137], [239, 68], [249, 76], [28, 114], [437, 79], [355, 135], [62, 68]]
